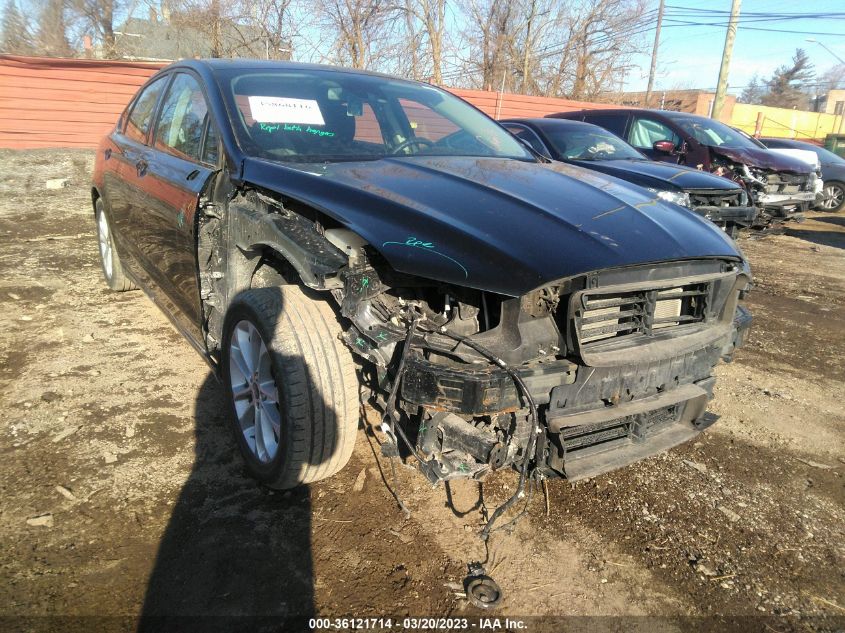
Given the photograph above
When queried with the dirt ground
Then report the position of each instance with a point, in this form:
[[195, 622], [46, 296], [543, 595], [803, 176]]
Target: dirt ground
[[121, 492]]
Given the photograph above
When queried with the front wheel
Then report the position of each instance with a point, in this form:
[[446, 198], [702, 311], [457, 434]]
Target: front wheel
[[292, 386], [834, 193]]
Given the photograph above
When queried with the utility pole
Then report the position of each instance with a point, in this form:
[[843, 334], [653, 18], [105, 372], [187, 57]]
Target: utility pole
[[654, 54], [730, 36]]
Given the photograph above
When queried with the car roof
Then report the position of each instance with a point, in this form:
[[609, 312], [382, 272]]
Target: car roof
[[670, 114], [543, 123], [216, 64], [788, 141]]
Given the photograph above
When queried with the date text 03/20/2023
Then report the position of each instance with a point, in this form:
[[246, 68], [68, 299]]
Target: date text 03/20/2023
[[412, 624]]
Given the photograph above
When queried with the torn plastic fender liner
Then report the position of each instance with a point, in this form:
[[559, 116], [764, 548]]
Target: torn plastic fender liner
[[293, 237]]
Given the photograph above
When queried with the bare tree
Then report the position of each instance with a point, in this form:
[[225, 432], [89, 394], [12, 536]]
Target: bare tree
[[273, 23], [98, 19], [413, 37], [552, 47], [602, 36], [539, 20], [361, 30], [430, 15], [491, 32]]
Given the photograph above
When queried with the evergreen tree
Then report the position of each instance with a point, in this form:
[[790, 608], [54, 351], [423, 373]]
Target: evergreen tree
[[785, 88], [15, 38], [753, 92]]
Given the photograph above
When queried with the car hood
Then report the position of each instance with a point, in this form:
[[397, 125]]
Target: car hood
[[654, 174], [764, 159], [501, 225]]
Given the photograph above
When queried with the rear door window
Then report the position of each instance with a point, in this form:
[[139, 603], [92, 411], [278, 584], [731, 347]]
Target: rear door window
[[646, 132], [614, 123], [182, 119], [141, 117]]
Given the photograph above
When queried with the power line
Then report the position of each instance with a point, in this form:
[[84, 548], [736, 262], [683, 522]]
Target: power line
[[756, 28], [727, 13]]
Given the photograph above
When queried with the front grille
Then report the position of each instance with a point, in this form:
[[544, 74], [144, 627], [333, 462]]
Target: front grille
[[779, 182], [606, 316], [716, 198]]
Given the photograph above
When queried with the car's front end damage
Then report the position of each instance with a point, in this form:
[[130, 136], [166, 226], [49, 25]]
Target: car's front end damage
[[562, 338], [781, 187], [618, 363], [726, 208]]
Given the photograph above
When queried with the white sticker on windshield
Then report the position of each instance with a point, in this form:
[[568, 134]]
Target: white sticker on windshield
[[284, 110]]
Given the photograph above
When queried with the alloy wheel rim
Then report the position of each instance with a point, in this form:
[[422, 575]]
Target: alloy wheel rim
[[254, 391], [105, 243], [834, 195]]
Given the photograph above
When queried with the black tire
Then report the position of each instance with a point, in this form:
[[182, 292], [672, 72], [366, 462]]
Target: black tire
[[839, 189], [316, 384], [115, 278]]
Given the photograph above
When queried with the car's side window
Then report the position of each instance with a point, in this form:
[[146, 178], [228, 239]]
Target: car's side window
[[614, 123], [141, 117], [646, 132], [183, 114], [528, 136], [211, 148]]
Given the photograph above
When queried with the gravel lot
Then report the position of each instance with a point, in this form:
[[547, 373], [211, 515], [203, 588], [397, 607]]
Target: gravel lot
[[121, 492]]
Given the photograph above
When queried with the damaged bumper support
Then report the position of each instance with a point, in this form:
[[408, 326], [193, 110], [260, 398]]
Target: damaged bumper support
[[741, 216], [785, 199], [596, 419]]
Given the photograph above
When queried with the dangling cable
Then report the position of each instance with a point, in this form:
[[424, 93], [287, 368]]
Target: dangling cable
[[535, 423], [389, 417]]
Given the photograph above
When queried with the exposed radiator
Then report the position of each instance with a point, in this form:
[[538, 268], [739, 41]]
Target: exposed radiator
[[604, 316]]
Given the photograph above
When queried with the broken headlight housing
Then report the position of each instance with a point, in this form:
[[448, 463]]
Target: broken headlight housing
[[675, 197]]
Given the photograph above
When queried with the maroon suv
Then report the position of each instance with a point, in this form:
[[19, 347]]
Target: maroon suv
[[779, 185]]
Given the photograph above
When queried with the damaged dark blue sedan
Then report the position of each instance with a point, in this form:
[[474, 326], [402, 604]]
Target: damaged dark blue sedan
[[324, 235]]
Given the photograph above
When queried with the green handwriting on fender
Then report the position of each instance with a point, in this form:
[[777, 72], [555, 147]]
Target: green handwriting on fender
[[429, 247]]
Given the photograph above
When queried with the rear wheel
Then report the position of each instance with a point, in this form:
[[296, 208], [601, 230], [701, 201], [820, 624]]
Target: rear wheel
[[292, 386], [109, 259], [834, 193]]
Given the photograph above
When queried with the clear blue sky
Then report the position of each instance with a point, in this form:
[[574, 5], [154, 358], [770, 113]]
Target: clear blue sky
[[689, 56]]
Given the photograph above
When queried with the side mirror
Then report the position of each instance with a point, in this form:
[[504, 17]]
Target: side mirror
[[666, 147]]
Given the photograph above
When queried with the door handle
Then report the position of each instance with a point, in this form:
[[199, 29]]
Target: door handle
[[107, 153], [142, 166], [193, 174]]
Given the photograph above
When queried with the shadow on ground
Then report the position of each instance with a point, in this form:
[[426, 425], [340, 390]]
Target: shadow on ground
[[836, 220], [824, 238], [235, 555]]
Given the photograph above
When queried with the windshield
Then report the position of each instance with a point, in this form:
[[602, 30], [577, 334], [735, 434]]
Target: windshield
[[589, 144], [307, 115], [713, 133]]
